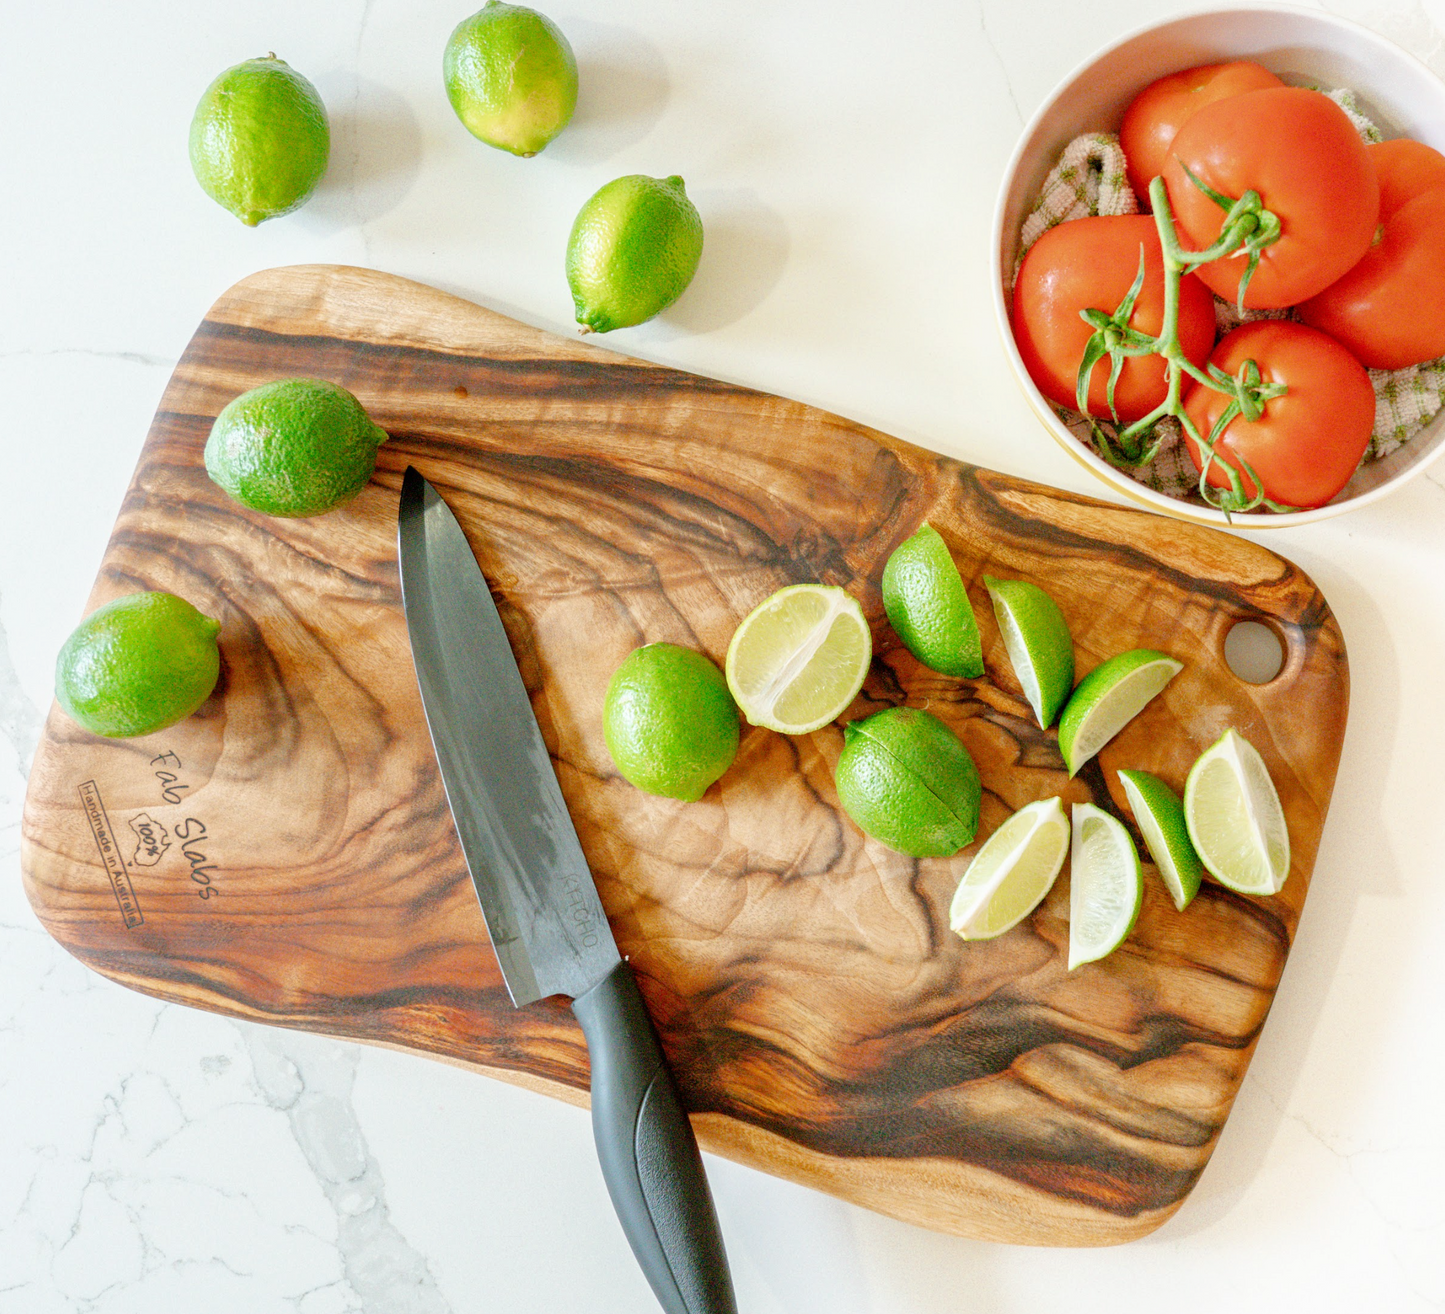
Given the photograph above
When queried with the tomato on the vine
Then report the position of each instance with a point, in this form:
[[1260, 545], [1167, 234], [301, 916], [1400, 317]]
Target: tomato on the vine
[[1299, 151], [1091, 264], [1308, 442], [1156, 114], [1405, 169], [1389, 309]]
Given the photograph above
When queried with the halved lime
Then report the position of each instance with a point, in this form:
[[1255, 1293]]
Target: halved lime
[[1160, 817], [928, 606], [1106, 887], [1036, 638], [798, 659], [1013, 871], [1235, 819], [1108, 698], [907, 780]]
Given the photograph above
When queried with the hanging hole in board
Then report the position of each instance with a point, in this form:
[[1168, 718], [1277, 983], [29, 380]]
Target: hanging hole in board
[[1253, 652]]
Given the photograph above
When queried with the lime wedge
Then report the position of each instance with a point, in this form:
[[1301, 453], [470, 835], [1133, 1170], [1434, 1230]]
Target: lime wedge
[[1108, 698], [1036, 638], [1013, 871], [1106, 887], [1160, 816], [798, 659], [928, 606], [1234, 817]]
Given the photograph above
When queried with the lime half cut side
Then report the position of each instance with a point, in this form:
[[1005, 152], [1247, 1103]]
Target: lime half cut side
[[1108, 698], [1160, 817], [1036, 638], [1235, 819], [1106, 885], [1010, 875], [798, 659]]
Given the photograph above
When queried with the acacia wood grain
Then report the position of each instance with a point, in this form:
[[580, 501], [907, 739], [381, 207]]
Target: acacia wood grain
[[287, 854]]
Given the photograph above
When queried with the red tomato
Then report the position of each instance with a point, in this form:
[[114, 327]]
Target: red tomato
[[1092, 263], [1405, 169], [1308, 442], [1297, 149], [1160, 110], [1389, 309]]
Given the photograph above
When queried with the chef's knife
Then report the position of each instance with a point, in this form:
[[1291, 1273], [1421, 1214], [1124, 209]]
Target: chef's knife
[[543, 913]]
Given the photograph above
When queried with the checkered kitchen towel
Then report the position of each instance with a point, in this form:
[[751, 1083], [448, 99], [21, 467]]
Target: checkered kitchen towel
[[1090, 179]]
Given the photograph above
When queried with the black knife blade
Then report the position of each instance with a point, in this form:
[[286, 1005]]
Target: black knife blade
[[541, 904]]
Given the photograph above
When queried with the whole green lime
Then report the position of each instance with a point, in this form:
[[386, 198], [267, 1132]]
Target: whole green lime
[[511, 77], [928, 606], [137, 665], [909, 782], [634, 248], [294, 447], [669, 721], [260, 140]]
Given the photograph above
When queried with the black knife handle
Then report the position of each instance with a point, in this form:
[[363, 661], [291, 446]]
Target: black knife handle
[[649, 1155]]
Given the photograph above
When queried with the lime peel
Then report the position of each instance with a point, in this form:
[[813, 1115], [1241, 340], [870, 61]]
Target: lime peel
[[1013, 871], [1106, 887]]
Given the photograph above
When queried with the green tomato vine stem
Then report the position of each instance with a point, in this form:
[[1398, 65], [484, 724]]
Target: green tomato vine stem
[[1248, 228]]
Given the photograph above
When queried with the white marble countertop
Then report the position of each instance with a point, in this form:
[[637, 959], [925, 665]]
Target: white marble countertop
[[845, 159]]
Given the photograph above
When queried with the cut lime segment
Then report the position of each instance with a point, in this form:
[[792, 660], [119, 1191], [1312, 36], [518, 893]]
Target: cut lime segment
[[1160, 817], [1235, 819], [1036, 638], [798, 659], [1106, 887], [1013, 871], [1108, 698], [928, 606]]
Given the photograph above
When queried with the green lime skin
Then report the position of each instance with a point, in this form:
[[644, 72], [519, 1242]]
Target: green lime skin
[[138, 665], [260, 140], [511, 77], [908, 781], [293, 447], [669, 721], [928, 606], [634, 248]]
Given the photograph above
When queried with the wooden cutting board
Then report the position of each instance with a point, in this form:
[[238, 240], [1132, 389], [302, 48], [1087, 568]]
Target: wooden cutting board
[[287, 855]]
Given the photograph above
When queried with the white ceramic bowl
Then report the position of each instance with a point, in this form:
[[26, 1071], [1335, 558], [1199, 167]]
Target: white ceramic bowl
[[1300, 45]]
